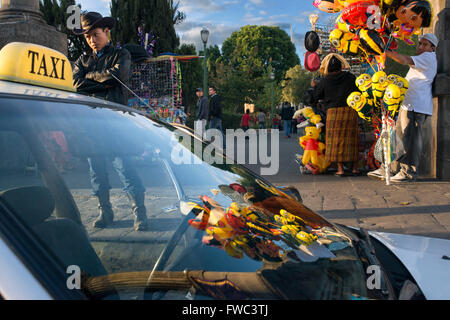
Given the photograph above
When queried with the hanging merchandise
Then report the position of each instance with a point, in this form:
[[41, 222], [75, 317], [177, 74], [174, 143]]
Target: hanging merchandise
[[312, 61], [312, 41]]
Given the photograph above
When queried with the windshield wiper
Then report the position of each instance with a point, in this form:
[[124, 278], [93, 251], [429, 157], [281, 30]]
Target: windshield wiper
[[366, 246]]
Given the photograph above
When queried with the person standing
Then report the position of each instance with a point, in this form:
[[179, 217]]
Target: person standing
[[286, 116], [215, 112], [96, 74], [341, 120], [245, 121], [201, 117], [261, 119], [417, 106]]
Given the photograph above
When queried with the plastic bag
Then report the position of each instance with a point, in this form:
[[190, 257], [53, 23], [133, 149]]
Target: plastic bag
[[398, 149]]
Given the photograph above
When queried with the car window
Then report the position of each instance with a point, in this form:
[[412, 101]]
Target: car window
[[214, 230]]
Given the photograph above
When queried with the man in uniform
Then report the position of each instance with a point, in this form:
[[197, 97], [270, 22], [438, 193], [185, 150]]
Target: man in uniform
[[96, 74]]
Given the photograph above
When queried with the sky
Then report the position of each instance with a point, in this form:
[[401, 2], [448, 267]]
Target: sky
[[222, 17]]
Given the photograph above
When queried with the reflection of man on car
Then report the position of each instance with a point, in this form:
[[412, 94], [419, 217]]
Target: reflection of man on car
[[95, 74]]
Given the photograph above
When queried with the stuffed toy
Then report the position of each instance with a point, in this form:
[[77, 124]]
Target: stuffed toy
[[309, 114], [313, 149]]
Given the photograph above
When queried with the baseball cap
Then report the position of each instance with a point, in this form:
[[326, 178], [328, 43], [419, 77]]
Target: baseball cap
[[430, 37], [199, 90]]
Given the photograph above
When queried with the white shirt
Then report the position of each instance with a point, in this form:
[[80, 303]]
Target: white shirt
[[419, 97]]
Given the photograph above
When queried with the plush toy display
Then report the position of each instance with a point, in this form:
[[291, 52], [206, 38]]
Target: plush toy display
[[313, 149]]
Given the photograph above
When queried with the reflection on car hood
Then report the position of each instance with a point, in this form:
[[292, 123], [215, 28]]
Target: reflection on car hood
[[423, 257]]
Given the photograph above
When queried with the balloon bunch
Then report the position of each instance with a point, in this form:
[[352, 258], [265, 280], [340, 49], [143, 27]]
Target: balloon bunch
[[379, 92], [367, 28]]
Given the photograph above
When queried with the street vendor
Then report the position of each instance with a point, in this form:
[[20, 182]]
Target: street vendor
[[96, 74], [417, 106]]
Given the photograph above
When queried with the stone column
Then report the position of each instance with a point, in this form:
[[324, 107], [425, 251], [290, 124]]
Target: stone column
[[435, 161], [441, 121], [22, 20]]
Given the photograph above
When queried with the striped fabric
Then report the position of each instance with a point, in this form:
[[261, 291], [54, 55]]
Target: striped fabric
[[342, 135]]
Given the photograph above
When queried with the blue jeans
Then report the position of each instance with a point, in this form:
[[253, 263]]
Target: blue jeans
[[127, 174], [216, 123], [262, 125], [287, 128]]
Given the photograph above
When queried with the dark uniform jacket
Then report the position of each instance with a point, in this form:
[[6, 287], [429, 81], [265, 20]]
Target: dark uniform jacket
[[92, 75], [215, 107]]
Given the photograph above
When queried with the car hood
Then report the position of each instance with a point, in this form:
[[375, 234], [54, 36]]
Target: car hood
[[424, 259]]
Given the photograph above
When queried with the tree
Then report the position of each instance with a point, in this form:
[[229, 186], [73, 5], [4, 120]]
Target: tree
[[255, 48], [297, 81], [55, 14], [157, 16], [191, 77], [393, 67]]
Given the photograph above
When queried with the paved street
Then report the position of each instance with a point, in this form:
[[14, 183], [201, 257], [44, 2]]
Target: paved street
[[416, 208]]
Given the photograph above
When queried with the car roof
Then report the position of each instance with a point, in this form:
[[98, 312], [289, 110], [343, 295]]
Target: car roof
[[9, 88]]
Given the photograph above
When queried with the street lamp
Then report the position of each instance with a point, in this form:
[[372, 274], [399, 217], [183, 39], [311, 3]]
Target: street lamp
[[205, 34], [272, 78]]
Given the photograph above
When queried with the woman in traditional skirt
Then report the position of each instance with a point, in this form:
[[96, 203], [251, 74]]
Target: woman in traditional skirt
[[342, 121]]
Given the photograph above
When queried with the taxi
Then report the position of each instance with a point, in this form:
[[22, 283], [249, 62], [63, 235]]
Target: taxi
[[215, 231]]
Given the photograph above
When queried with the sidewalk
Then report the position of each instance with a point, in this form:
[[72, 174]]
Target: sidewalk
[[416, 208]]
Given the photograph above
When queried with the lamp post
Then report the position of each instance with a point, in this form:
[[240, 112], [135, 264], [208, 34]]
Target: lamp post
[[272, 78], [205, 34]]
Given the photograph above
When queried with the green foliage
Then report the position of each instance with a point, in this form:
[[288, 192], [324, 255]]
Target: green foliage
[[254, 48], [393, 67], [297, 81], [157, 16], [55, 14], [248, 57], [192, 77]]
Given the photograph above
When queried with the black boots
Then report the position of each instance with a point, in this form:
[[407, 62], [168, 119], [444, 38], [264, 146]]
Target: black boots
[[139, 211], [106, 216]]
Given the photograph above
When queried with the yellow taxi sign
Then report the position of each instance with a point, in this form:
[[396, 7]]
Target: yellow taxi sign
[[37, 65]]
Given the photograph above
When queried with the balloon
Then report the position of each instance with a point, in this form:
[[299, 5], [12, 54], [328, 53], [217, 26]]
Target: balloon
[[391, 99], [359, 102], [364, 83], [414, 13], [371, 41], [330, 6], [407, 17], [379, 84], [344, 42], [312, 41], [356, 14]]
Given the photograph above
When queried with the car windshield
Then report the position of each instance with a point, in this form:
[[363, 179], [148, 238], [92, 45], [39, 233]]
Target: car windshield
[[215, 231]]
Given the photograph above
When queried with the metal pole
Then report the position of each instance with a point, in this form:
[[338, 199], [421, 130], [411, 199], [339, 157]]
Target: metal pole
[[205, 73], [272, 99]]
